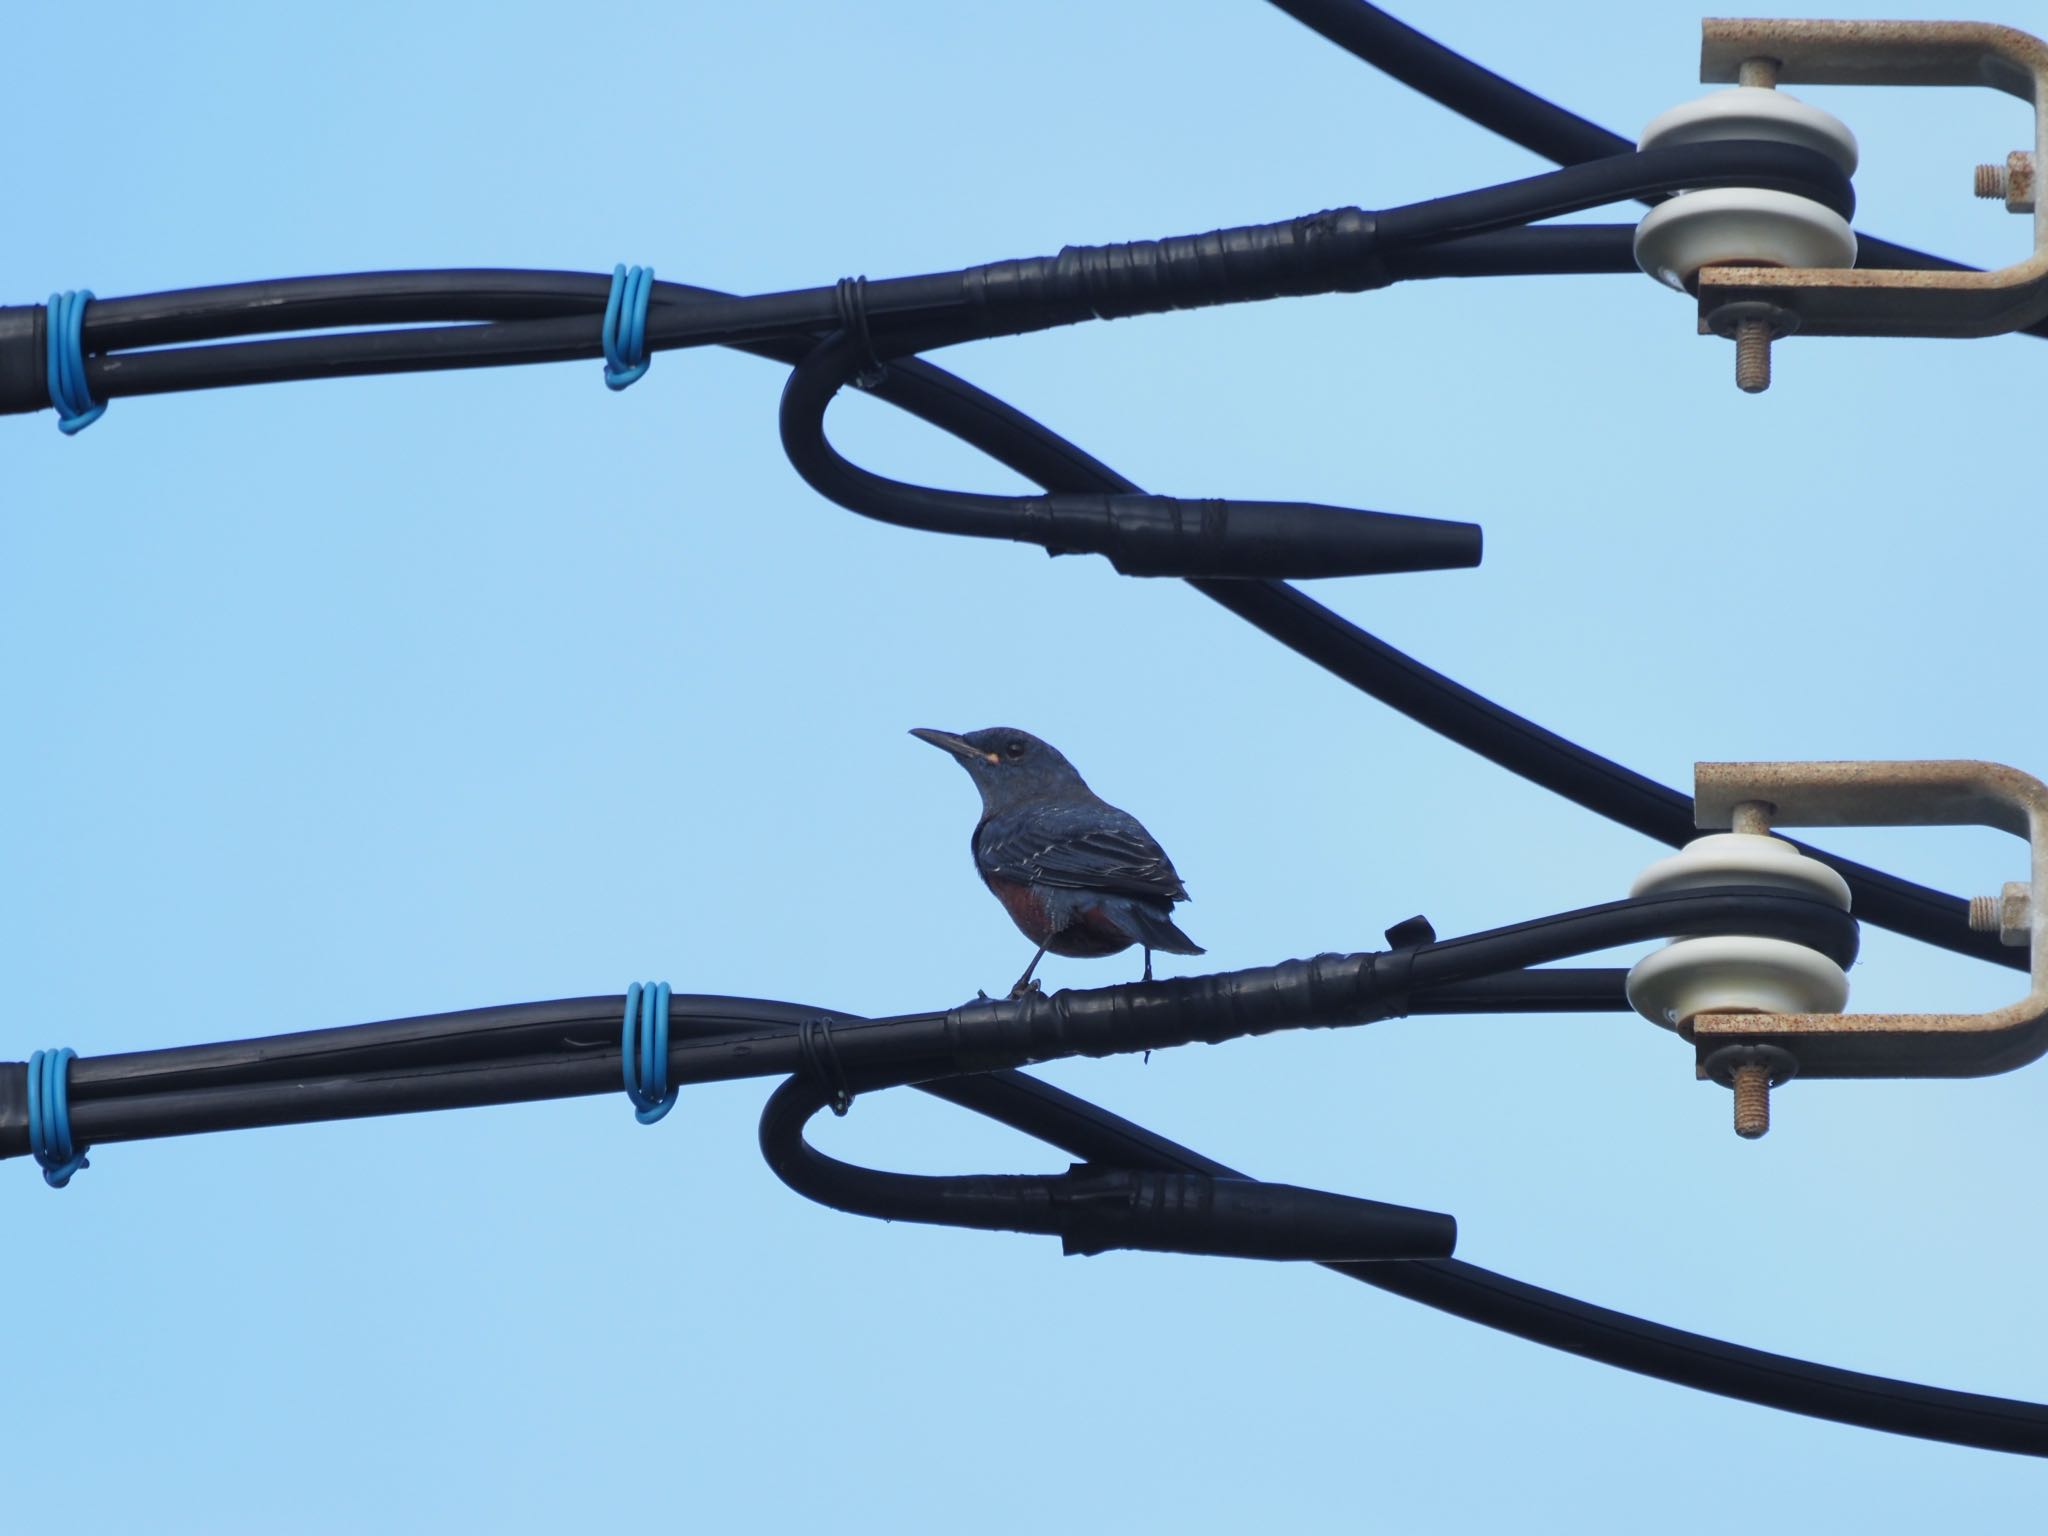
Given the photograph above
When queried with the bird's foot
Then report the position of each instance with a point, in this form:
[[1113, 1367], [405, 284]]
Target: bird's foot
[[1026, 989]]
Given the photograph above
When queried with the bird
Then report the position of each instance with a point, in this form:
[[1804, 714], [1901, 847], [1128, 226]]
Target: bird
[[1078, 876]]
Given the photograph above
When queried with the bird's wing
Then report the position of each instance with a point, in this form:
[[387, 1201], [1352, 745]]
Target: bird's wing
[[1091, 847]]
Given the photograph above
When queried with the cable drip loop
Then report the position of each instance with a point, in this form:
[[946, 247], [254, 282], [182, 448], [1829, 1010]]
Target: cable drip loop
[[49, 1117], [850, 299], [64, 363], [625, 325], [643, 1047], [821, 1062]]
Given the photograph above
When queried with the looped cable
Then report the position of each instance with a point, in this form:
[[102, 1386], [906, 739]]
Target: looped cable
[[625, 325], [821, 1061], [49, 1116], [64, 362], [643, 1047], [850, 299]]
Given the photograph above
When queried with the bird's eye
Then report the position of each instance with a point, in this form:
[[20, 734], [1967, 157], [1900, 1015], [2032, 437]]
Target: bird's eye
[[1014, 748]]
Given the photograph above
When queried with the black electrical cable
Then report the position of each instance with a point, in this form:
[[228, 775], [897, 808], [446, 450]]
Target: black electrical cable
[[590, 1025], [587, 1027], [1341, 250], [1398, 680], [1559, 989], [1562, 1322], [571, 1047], [441, 295], [1565, 768], [1094, 1209], [1519, 115], [1532, 251], [1463, 1289], [1022, 443], [1140, 535]]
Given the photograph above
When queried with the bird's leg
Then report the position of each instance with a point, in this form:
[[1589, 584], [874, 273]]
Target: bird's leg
[[1148, 962], [1024, 983]]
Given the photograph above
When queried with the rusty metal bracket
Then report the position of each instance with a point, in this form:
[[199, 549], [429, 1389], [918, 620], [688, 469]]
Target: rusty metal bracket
[[1830, 301], [1897, 794]]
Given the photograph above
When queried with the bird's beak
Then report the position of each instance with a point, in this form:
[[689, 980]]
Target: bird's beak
[[966, 751]]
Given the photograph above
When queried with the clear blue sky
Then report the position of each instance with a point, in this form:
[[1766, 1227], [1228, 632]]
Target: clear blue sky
[[337, 702]]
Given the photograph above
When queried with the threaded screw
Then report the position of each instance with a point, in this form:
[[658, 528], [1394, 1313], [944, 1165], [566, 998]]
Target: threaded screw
[[1752, 1085], [1992, 181], [1985, 914], [1753, 355]]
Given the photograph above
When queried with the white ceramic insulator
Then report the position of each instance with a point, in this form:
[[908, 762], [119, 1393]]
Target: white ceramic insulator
[[1734, 973], [1745, 226], [1751, 112], [1740, 226], [1741, 858], [1730, 973]]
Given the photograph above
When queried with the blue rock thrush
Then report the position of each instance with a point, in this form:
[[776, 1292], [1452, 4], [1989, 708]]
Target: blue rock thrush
[[1079, 876]]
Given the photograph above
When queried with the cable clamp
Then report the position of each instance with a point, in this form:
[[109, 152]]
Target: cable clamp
[[49, 1116], [643, 1047], [625, 325], [821, 1060], [850, 299], [64, 362]]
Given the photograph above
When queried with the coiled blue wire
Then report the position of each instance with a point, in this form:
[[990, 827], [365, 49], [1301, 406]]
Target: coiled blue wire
[[625, 325], [64, 362], [49, 1116], [644, 1049]]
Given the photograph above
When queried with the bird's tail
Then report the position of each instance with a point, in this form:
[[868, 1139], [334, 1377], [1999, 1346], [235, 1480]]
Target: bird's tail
[[1153, 928]]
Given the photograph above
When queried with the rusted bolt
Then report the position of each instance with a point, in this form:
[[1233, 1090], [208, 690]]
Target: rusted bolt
[[2009, 914], [2012, 181], [1753, 336], [1752, 1087], [1754, 326], [1752, 356], [1752, 1071]]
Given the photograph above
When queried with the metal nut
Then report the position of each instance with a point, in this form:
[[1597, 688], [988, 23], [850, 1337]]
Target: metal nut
[[2009, 914], [2012, 181]]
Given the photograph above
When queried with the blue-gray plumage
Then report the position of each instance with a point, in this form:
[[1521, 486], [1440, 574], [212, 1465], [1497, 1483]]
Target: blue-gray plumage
[[1077, 875]]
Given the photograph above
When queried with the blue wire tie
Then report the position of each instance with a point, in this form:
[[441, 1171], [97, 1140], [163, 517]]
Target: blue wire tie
[[64, 363], [49, 1116], [644, 1049], [625, 325]]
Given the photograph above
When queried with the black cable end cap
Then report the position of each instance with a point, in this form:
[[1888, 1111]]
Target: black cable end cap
[[1262, 540], [1240, 1219], [22, 383]]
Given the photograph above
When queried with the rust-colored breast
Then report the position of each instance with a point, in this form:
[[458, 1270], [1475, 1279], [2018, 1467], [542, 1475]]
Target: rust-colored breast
[[1026, 905], [1086, 932]]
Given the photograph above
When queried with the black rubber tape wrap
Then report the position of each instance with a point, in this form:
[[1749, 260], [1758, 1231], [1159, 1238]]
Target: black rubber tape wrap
[[1141, 534], [1094, 1209], [24, 385], [1335, 251]]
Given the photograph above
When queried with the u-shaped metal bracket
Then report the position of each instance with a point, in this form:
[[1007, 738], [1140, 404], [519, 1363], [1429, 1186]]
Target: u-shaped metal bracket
[[1891, 794], [1831, 301]]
